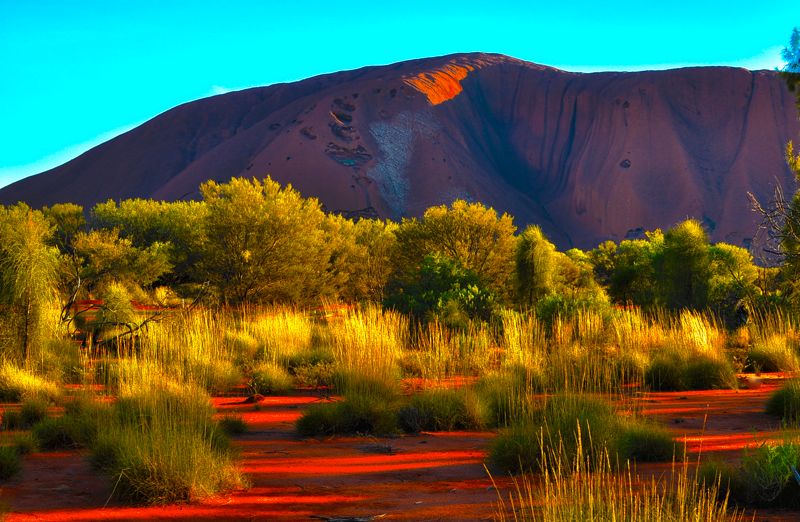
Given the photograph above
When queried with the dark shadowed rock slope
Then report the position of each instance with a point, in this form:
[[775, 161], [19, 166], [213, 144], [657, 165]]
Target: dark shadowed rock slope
[[587, 156]]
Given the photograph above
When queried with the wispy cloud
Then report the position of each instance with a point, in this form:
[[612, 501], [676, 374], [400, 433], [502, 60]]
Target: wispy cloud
[[11, 173], [219, 89]]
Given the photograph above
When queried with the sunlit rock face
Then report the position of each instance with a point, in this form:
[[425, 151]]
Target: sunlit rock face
[[587, 156]]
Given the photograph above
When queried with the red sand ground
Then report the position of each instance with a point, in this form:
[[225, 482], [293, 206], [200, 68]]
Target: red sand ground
[[423, 477]]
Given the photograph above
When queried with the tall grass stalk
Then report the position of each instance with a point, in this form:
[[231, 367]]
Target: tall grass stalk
[[589, 488], [369, 341]]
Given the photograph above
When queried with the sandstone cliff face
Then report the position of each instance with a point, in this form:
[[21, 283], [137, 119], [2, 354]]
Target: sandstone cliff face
[[588, 156]]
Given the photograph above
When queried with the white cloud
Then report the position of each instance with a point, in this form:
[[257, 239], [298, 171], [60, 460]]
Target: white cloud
[[219, 89]]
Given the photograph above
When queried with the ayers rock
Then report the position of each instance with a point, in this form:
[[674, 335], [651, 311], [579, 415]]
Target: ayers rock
[[589, 157]]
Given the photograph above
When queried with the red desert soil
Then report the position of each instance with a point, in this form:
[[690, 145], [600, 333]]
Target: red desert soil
[[422, 477]]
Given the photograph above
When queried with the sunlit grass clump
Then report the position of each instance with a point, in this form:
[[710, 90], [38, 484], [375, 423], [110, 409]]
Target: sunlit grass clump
[[161, 445], [590, 486], [17, 383], [443, 410], [569, 425], [763, 477], [369, 406], [785, 402]]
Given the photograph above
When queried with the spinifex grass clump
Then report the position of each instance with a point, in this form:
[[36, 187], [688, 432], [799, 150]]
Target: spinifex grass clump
[[10, 462], [562, 426], [764, 477], [17, 383], [269, 378], [369, 406], [590, 487], [442, 410], [280, 332], [507, 393], [190, 347], [78, 427], [776, 343], [692, 357], [440, 352], [785, 402], [370, 341], [161, 445]]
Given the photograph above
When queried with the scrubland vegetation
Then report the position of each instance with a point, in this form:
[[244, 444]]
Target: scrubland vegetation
[[452, 321]]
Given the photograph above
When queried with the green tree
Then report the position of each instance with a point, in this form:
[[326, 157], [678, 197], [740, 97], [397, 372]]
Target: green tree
[[361, 257], [684, 268], [536, 266], [28, 272], [264, 243], [470, 234], [443, 289], [103, 258], [179, 226], [630, 269], [732, 283]]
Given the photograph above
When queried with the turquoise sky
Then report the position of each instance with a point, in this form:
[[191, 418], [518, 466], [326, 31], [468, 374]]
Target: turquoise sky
[[74, 74]]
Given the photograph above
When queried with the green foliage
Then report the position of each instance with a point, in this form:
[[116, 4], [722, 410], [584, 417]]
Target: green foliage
[[645, 442], [33, 410], [17, 383], [444, 289], [265, 243], [442, 410], [571, 426], [536, 266], [357, 414], [177, 225], [681, 370], [28, 272], [270, 379], [470, 234], [785, 402], [160, 444], [232, 425], [764, 477], [66, 432], [10, 462], [684, 266], [103, 257], [361, 257]]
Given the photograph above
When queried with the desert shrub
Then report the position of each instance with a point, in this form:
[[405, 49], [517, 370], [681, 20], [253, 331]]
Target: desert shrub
[[569, 426], [666, 373], [33, 410], [564, 424], [10, 462], [506, 393], [17, 383], [12, 420], [774, 353], [357, 414], [308, 358], [442, 410], [161, 445], [317, 376], [369, 407], [785, 402], [764, 477], [232, 425], [61, 361], [68, 431], [674, 370], [644, 442], [270, 379], [25, 443], [175, 464], [564, 492]]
